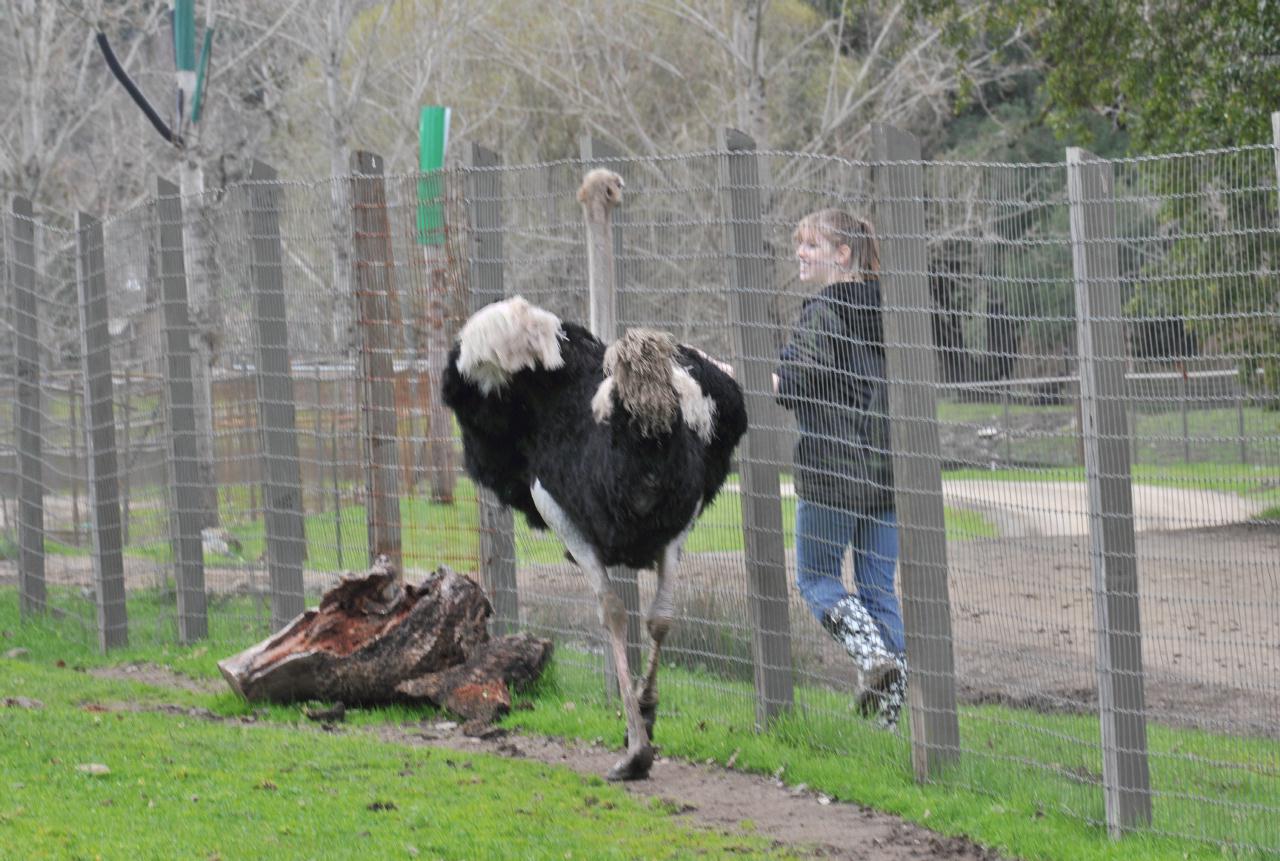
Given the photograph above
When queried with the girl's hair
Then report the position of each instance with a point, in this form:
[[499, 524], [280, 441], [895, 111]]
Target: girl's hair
[[840, 228]]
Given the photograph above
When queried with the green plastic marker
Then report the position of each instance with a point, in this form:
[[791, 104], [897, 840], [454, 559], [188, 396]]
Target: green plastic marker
[[184, 35], [202, 72], [433, 137], [184, 57]]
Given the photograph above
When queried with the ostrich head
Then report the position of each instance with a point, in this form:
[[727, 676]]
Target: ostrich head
[[600, 192]]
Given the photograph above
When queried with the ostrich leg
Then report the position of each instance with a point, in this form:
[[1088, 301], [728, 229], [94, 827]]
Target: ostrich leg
[[661, 613], [638, 759]]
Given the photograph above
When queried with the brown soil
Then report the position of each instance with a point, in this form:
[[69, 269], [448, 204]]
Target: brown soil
[[728, 800], [1023, 621], [158, 676]]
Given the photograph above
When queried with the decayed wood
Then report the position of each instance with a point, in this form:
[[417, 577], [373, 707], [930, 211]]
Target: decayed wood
[[376, 640], [370, 633], [480, 689]]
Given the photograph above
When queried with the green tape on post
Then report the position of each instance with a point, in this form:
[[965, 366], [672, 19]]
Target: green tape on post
[[184, 35], [433, 137], [203, 73]]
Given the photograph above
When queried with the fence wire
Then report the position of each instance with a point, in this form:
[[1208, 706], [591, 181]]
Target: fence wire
[[297, 472]]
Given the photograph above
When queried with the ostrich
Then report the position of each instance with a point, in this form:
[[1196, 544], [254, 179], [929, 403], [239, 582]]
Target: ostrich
[[616, 450]]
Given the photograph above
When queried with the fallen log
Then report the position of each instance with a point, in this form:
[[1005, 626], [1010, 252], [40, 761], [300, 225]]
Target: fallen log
[[480, 689], [376, 640]]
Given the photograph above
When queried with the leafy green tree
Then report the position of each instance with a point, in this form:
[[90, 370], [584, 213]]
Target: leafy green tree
[[1170, 76], [1174, 74]]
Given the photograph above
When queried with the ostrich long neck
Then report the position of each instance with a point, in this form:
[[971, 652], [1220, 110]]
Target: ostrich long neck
[[600, 272]]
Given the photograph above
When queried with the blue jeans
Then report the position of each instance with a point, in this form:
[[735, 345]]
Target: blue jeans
[[822, 534]]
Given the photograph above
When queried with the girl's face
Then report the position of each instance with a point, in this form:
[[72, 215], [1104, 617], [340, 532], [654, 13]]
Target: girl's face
[[820, 261]]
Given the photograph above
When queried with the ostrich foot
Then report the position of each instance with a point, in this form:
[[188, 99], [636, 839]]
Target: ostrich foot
[[634, 766]]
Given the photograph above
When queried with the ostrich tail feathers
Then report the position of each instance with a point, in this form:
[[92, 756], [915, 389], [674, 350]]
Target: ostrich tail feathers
[[638, 368], [504, 338]]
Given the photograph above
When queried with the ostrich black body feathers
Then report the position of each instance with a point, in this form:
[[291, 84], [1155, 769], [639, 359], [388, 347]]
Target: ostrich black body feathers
[[629, 492]]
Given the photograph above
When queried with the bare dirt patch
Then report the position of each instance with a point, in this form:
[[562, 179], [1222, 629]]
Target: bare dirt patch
[[1023, 624], [158, 676], [728, 800]]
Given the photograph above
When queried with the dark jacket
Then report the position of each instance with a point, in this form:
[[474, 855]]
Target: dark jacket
[[832, 377]]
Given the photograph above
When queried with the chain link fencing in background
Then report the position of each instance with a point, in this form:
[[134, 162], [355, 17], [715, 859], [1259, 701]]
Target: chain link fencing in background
[[221, 404]]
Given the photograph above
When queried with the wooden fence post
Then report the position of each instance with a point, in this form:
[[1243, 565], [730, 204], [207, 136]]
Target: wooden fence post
[[917, 458], [759, 454], [25, 311], [188, 515], [277, 416], [100, 434], [374, 284], [1100, 332], [497, 525], [603, 315]]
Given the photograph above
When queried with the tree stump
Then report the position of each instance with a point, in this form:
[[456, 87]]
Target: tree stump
[[480, 689], [375, 640]]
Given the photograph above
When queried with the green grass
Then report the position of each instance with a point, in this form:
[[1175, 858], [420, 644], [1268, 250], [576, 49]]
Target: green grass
[[183, 787], [1258, 483], [433, 534], [1026, 783], [1213, 433], [1228, 478], [1016, 787]]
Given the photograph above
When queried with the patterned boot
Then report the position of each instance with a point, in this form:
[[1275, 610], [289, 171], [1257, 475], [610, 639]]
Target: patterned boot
[[895, 695], [884, 695], [852, 627]]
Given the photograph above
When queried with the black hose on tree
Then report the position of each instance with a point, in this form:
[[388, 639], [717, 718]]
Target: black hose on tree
[[140, 100]]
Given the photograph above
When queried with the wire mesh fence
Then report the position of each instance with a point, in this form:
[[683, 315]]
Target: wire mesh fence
[[1081, 363]]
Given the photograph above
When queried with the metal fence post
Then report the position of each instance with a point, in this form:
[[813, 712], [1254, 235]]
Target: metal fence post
[[25, 312], [604, 313], [759, 455], [917, 456], [497, 524], [187, 518], [100, 434], [374, 284], [277, 417], [1100, 332]]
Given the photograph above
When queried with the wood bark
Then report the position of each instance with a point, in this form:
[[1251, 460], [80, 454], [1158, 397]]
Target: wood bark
[[480, 689], [376, 640]]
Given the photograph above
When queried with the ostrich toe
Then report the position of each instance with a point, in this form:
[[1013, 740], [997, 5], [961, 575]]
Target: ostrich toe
[[634, 766]]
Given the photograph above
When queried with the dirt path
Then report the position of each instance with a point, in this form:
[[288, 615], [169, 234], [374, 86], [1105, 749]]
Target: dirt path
[[704, 795], [1029, 509], [1023, 624], [715, 797], [1020, 509]]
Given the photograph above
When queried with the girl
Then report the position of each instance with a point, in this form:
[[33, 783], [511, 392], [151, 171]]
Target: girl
[[832, 377]]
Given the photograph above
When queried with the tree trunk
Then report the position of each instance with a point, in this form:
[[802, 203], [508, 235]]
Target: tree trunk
[[752, 104], [341, 332], [437, 339], [337, 102], [206, 320]]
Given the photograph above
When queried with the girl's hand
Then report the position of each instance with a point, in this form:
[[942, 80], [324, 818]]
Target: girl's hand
[[724, 366]]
